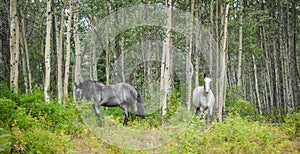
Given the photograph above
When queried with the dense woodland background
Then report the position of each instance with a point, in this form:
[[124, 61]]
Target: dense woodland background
[[256, 75]]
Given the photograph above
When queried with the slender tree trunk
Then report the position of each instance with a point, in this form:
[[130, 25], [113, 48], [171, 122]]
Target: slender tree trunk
[[77, 45], [282, 64], [122, 53], [211, 38], [264, 93], [198, 42], [24, 39], [143, 50], [267, 62], [288, 49], [294, 73], [148, 48], [239, 71], [54, 49], [289, 102], [217, 53], [67, 63], [277, 84], [251, 96], [24, 64], [60, 54], [165, 72], [5, 43], [107, 46], [14, 46], [47, 53], [94, 65], [270, 75], [222, 67], [256, 84], [23, 55], [189, 65], [283, 88]]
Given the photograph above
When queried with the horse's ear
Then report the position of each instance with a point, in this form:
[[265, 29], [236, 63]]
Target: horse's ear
[[205, 75]]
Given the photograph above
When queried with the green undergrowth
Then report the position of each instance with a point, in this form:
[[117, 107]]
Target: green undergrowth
[[28, 125]]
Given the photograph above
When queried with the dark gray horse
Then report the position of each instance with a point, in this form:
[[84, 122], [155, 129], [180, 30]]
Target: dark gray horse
[[121, 94], [203, 98]]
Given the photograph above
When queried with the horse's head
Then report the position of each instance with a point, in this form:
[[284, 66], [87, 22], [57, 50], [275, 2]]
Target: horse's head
[[78, 92], [140, 110], [207, 81]]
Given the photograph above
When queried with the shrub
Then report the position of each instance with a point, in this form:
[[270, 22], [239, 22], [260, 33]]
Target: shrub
[[234, 135], [293, 123], [6, 92], [4, 140], [243, 108], [7, 110], [37, 140]]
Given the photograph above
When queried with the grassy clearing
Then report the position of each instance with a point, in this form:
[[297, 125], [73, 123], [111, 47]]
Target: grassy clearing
[[28, 125]]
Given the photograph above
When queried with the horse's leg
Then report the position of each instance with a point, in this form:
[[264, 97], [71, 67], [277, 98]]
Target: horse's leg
[[208, 116], [125, 109], [201, 109], [97, 112], [197, 111], [210, 113]]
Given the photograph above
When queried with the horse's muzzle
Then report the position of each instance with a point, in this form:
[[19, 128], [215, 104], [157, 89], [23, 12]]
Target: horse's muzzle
[[141, 116], [207, 90]]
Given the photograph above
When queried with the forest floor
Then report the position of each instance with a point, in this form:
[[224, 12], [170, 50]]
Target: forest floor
[[28, 125]]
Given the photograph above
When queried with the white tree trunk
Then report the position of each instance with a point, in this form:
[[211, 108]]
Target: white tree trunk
[[47, 53], [107, 47], [165, 66], [14, 46], [77, 45], [67, 64], [256, 84], [222, 66], [239, 71], [217, 52], [23, 38], [59, 55]]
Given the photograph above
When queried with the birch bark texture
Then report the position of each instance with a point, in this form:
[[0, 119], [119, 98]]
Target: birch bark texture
[[67, 63], [222, 66], [77, 44], [47, 53], [165, 63], [14, 46]]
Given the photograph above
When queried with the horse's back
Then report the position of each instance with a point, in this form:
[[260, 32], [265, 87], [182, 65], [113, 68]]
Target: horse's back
[[92, 89], [127, 89]]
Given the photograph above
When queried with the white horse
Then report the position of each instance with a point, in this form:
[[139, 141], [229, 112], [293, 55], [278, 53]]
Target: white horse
[[203, 98]]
